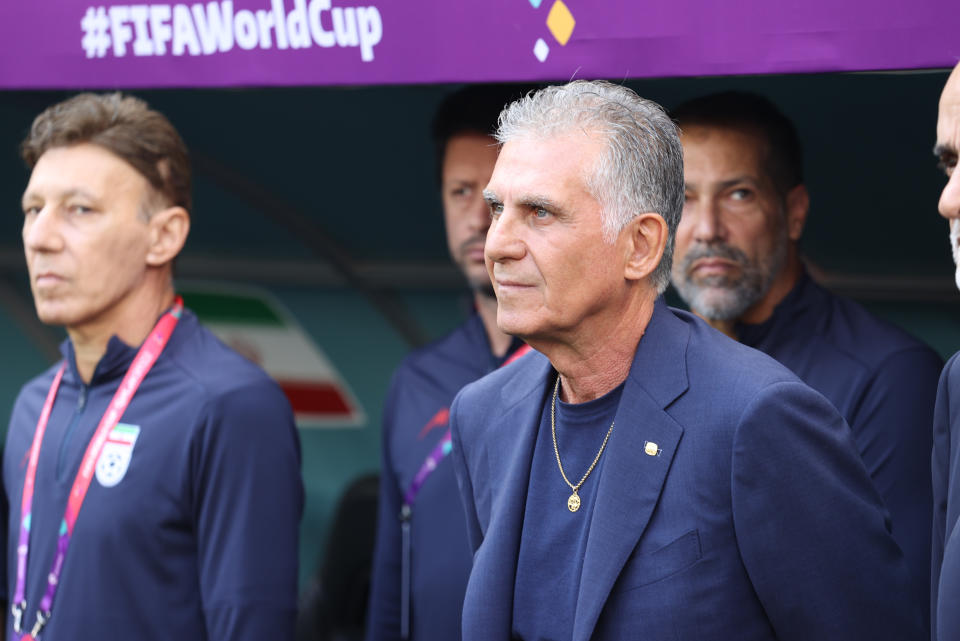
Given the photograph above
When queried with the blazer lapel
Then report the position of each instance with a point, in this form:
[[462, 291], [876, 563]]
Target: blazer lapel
[[631, 479], [512, 438]]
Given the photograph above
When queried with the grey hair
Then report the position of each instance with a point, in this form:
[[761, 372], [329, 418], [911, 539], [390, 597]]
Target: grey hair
[[642, 167]]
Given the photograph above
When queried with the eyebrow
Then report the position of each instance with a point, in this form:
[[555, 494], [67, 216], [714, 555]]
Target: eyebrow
[[458, 181], [70, 193], [726, 184], [531, 201], [943, 149], [542, 202]]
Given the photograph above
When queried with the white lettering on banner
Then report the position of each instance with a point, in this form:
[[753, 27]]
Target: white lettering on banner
[[323, 37], [160, 28], [297, 25], [245, 28], [184, 36], [142, 45], [371, 30], [214, 27], [121, 31]]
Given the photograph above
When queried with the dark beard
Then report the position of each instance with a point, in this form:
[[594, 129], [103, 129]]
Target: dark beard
[[485, 290]]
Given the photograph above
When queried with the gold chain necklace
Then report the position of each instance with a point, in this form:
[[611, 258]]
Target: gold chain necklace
[[573, 503]]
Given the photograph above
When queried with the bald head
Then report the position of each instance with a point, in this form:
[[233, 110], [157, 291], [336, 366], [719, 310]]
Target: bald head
[[953, 82], [947, 150], [948, 144]]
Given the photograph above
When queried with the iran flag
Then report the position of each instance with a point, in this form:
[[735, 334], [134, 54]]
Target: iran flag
[[255, 324]]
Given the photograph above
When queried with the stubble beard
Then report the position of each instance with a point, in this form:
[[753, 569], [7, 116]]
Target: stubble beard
[[724, 299], [479, 283], [485, 290]]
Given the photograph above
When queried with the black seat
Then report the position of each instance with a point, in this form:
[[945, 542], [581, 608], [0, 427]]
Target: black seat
[[334, 605]]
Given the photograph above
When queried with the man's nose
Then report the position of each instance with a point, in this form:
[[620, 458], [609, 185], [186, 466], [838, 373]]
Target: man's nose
[[41, 231], [707, 221], [950, 198], [503, 238]]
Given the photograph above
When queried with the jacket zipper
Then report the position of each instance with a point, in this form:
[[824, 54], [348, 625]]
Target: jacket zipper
[[64, 444]]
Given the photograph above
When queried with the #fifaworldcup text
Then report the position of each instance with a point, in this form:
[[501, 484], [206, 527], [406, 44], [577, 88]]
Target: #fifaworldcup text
[[206, 29]]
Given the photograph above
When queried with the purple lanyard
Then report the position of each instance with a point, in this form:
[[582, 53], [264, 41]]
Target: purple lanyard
[[426, 469], [440, 452], [142, 363], [437, 454]]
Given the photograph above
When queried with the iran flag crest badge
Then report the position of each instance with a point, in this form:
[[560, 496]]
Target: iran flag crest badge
[[115, 456]]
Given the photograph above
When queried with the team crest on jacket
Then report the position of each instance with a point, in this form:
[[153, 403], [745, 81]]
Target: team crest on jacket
[[115, 456]]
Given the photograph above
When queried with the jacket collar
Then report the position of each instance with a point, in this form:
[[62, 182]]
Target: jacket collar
[[117, 358]]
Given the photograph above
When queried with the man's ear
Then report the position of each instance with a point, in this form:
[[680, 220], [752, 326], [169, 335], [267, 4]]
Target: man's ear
[[168, 233], [646, 238], [798, 204]]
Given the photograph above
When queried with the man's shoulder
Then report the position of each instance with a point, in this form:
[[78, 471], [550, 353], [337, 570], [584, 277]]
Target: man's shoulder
[[862, 335], [38, 386], [709, 349], [44, 378], [719, 366], [460, 346], [217, 369], [509, 384], [448, 363], [951, 373]]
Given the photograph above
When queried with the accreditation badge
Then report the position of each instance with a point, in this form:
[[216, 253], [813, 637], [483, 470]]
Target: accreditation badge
[[115, 456]]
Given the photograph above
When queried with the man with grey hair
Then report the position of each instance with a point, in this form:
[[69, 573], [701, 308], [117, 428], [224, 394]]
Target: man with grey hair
[[738, 266], [643, 475]]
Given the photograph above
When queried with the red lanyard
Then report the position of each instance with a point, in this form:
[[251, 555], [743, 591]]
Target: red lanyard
[[142, 363]]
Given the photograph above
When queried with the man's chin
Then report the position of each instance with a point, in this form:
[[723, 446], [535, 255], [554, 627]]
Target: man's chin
[[712, 302], [721, 306], [52, 317], [513, 326]]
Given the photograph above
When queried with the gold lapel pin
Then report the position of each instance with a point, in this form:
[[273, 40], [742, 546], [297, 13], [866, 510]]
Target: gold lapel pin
[[651, 448]]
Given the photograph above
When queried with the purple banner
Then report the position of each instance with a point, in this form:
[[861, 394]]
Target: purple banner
[[82, 44]]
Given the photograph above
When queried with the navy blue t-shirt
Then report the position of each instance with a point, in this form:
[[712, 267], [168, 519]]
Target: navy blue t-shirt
[[415, 418], [883, 382], [554, 539], [193, 535]]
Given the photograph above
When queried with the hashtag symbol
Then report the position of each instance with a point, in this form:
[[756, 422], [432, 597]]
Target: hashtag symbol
[[96, 32]]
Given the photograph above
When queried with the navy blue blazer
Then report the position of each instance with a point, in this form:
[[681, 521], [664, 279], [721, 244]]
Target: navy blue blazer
[[945, 576], [755, 521]]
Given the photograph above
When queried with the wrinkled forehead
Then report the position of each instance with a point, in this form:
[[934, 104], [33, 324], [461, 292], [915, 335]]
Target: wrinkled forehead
[[86, 168], [723, 149]]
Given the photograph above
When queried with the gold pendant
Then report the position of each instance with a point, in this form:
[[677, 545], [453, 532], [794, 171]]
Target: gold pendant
[[573, 503]]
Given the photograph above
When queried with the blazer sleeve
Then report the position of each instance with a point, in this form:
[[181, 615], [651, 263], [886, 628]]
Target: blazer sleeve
[[460, 456], [813, 533]]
